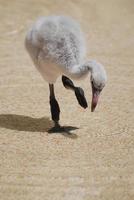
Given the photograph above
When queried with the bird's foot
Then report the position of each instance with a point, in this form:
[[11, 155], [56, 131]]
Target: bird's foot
[[57, 128], [57, 125]]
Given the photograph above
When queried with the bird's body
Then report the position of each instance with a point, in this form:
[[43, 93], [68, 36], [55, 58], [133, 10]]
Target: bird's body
[[56, 44], [57, 48]]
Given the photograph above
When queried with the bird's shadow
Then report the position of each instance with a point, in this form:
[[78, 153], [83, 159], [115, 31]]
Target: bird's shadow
[[26, 123]]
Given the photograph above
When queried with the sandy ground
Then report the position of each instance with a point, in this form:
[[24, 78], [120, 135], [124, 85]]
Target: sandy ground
[[96, 160]]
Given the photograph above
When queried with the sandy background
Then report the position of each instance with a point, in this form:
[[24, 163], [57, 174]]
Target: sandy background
[[96, 160]]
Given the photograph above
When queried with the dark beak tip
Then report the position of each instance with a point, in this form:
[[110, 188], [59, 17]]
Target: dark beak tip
[[92, 109]]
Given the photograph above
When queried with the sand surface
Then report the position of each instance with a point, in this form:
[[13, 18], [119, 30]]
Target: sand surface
[[94, 159]]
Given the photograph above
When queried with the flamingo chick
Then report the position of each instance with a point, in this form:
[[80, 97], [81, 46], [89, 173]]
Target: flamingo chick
[[57, 48]]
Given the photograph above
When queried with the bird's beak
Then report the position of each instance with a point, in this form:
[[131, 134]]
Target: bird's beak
[[95, 97]]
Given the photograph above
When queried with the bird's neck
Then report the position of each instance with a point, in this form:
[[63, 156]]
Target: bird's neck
[[82, 70], [79, 71]]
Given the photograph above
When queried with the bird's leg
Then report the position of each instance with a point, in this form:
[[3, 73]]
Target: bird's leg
[[68, 84], [55, 109], [79, 93]]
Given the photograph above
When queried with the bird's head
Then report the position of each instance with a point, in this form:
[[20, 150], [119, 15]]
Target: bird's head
[[98, 80]]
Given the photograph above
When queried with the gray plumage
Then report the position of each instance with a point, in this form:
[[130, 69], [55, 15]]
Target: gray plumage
[[57, 47], [56, 40]]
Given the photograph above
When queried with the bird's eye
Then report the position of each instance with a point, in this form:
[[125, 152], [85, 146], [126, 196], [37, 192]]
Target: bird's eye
[[92, 82], [99, 89]]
